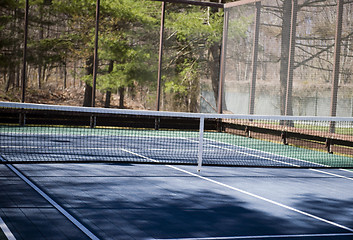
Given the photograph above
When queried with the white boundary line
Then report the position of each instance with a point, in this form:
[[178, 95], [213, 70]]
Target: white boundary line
[[263, 152], [263, 236], [295, 159], [277, 155], [6, 230], [332, 174], [266, 200], [248, 193], [53, 203], [248, 154]]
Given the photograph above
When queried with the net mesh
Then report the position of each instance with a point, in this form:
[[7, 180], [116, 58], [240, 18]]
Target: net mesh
[[31, 133]]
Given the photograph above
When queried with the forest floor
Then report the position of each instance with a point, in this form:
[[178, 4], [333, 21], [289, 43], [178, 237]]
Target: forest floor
[[68, 96]]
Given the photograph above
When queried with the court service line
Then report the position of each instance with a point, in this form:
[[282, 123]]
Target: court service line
[[246, 193], [54, 204], [294, 165], [280, 161], [332, 174], [263, 152], [265, 236], [6, 230]]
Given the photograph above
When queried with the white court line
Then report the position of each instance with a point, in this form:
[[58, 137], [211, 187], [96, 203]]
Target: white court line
[[247, 193], [277, 155], [332, 174], [53, 203], [6, 230], [296, 159], [249, 154], [263, 236], [260, 151]]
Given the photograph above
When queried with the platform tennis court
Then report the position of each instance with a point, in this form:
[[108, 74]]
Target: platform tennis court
[[149, 175]]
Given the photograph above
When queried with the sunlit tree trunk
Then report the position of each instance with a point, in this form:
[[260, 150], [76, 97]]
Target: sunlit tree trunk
[[87, 101]]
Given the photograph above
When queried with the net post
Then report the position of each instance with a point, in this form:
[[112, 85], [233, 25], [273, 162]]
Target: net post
[[218, 126], [328, 145], [93, 121], [22, 119], [157, 121], [247, 132], [284, 138], [201, 130]]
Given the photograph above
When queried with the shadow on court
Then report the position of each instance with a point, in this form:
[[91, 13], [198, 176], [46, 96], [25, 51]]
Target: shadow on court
[[116, 204], [336, 210], [200, 215]]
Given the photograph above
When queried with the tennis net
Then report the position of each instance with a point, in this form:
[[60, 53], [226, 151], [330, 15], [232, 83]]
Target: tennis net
[[34, 133]]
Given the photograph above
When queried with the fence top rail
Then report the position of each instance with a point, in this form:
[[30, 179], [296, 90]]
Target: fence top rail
[[211, 4], [193, 2], [239, 3]]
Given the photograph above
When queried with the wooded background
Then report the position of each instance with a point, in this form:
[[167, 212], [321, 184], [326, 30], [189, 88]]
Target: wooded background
[[61, 47]]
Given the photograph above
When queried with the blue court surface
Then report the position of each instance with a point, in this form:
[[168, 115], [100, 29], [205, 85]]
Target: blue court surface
[[146, 201]]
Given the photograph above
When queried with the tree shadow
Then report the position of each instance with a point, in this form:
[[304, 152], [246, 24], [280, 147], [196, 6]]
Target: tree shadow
[[144, 207], [337, 210], [179, 214]]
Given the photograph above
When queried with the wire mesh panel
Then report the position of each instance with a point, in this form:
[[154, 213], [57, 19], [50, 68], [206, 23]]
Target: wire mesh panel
[[191, 46], [238, 60], [61, 46], [281, 58], [345, 93], [32, 133]]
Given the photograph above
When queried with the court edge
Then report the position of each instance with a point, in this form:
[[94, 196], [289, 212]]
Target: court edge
[[264, 236], [6, 230]]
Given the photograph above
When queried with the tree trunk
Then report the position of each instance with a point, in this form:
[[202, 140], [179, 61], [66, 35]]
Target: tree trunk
[[122, 95], [214, 68], [74, 73], [41, 36], [18, 76], [87, 100], [107, 99], [10, 78], [109, 93], [39, 77], [65, 75]]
